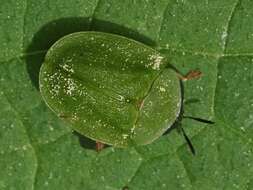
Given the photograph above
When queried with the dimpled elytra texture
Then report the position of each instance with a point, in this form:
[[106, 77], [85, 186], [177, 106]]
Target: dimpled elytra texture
[[110, 88]]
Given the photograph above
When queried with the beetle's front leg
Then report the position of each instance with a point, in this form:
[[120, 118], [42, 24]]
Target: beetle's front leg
[[190, 75]]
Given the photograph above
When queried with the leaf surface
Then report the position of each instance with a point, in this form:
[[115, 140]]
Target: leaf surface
[[38, 151]]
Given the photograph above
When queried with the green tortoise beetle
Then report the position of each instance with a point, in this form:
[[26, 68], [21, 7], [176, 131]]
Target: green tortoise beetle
[[112, 89]]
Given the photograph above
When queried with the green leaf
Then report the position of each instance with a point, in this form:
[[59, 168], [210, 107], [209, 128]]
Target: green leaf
[[38, 151]]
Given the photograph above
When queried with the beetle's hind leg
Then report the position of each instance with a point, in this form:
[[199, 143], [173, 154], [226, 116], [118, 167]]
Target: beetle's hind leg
[[99, 146]]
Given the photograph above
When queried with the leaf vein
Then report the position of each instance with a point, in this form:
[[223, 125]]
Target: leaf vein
[[28, 138], [162, 21], [228, 25], [93, 15]]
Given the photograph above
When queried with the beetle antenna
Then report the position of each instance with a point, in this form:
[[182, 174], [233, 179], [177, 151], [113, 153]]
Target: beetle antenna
[[199, 119], [188, 141]]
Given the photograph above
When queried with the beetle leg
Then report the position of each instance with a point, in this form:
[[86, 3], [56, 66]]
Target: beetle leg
[[199, 119], [99, 146], [190, 75], [188, 141]]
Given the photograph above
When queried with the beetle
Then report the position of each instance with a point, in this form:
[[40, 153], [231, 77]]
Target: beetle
[[112, 89]]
